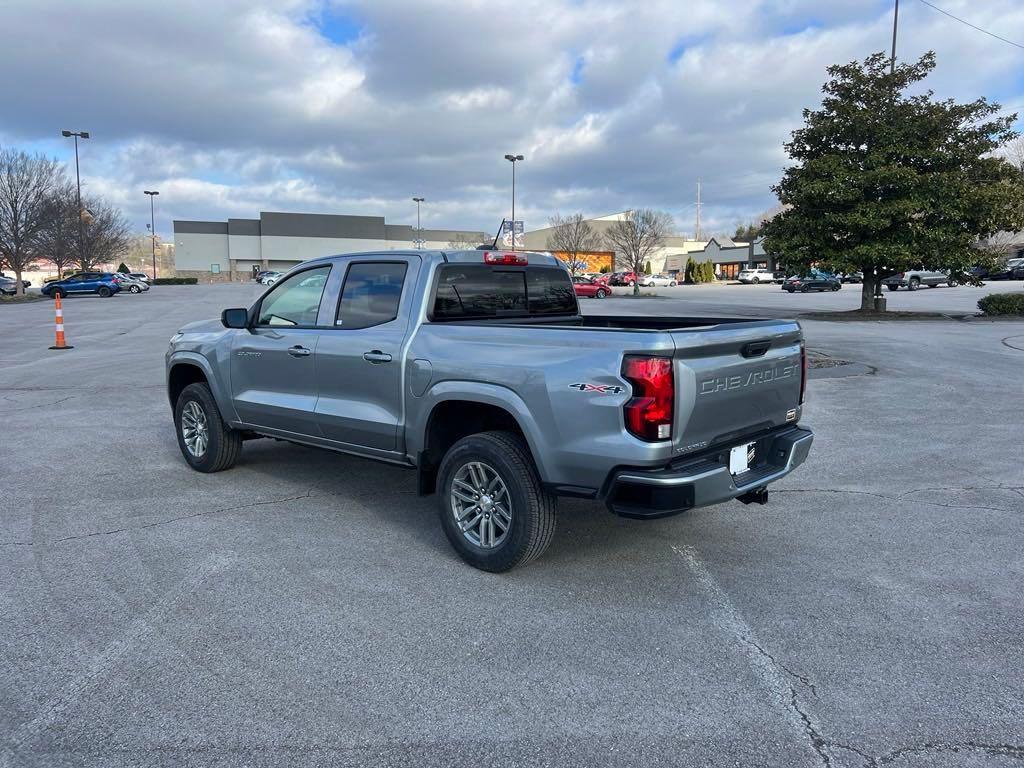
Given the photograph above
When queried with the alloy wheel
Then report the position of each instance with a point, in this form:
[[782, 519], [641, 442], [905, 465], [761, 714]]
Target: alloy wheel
[[481, 505], [195, 430]]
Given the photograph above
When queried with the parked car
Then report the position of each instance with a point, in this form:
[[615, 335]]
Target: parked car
[[586, 287], [130, 284], [659, 281], [139, 276], [477, 370], [851, 277], [913, 279], [269, 278], [812, 281], [602, 277], [103, 284], [755, 276], [8, 286], [1014, 270], [24, 283], [623, 278]]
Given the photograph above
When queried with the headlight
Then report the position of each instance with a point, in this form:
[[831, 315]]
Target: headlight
[[175, 337]]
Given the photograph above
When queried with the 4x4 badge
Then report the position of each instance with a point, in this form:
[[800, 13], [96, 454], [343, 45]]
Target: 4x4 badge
[[604, 389]]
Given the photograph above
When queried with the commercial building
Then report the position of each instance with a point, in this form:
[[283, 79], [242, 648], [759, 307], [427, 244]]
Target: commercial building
[[727, 257], [233, 249]]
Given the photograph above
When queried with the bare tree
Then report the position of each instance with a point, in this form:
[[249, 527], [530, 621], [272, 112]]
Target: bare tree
[[636, 237], [107, 235], [466, 241], [57, 239], [1015, 152], [26, 183], [572, 236]]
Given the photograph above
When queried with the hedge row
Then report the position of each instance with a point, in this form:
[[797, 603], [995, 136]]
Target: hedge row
[[175, 281], [1002, 304]]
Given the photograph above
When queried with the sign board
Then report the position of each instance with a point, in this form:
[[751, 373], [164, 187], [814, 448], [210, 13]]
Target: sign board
[[506, 233], [215, 269]]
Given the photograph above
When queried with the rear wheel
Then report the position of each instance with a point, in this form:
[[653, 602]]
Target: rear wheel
[[206, 442], [601, 293], [952, 283], [836, 286], [103, 292], [492, 506], [893, 287], [58, 293], [672, 284], [755, 281], [805, 289]]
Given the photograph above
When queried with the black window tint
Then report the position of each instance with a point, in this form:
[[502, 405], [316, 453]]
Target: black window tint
[[371, 294], [478, 290]]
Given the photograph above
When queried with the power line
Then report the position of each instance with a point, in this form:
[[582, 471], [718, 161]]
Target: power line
[[972, 26]]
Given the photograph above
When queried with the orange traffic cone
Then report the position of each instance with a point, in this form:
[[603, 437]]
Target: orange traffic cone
[[60, 343]]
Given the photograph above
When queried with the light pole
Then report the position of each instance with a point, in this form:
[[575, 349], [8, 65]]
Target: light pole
[[419, 230], [513, 159], [152, 226], [78, 181]]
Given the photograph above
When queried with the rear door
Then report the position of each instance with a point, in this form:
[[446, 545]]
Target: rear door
[[359, 358], [273, 364], [733, 381]]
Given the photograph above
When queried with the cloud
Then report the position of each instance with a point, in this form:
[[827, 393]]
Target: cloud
[[354, 106]]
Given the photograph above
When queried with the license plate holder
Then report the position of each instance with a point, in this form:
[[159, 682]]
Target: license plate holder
[[740, 458]]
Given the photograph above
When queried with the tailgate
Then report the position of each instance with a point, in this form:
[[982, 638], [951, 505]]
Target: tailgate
[[735, 380]]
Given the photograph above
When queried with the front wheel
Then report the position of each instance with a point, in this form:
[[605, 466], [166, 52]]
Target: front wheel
[[952, 283], [755, 281], [59, 293], [135, 289], [672, 284], [893, 287], [836, 287], [492, 506], [805, 289], [914, 284], [206, 442]]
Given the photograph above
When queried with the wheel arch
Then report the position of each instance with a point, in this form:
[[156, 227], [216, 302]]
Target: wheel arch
[[191, 368]]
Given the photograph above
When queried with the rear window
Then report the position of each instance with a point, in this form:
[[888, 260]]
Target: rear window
[[467, 291]]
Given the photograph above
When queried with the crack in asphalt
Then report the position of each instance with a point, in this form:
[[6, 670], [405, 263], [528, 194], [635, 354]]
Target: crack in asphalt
[[1014, 751], [156, 523], [40, 405], [905, 496]]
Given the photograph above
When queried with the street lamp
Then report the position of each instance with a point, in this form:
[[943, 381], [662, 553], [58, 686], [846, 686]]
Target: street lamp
[[152, 226], [419, 230], [513, 159], [78, 180]]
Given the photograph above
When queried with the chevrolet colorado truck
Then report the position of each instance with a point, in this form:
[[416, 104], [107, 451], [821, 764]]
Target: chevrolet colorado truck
[[477, 370]]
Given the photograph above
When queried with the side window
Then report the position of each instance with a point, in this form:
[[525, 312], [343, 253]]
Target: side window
[[371, 294], [295, 301]]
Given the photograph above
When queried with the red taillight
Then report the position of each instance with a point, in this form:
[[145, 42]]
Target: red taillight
[[505, 258], [803, 373], [649, 412]]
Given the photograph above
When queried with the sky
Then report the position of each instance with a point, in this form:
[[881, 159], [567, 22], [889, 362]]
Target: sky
[[232, 107]]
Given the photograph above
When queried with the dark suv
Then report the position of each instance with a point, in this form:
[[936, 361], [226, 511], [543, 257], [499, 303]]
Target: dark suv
[[101, 283]]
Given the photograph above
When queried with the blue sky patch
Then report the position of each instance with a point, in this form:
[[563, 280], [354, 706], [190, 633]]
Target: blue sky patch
[[339, 28], [577, 71], [683, 45]]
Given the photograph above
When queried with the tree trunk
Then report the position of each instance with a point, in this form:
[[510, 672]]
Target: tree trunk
[[867, 291], [19, 289]]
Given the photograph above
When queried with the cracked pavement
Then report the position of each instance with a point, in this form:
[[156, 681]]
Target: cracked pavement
[[305, 608]]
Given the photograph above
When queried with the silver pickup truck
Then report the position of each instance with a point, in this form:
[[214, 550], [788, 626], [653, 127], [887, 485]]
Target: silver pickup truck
[[477, 370]]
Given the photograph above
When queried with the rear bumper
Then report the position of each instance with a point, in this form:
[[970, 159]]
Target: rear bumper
[[704, 481]]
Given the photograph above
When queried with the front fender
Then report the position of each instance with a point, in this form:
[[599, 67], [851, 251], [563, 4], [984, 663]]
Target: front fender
[[479, 392], [218, 387]]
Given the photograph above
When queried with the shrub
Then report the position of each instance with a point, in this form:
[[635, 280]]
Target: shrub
[[123, 268], [1002, 304], [605, 269], [175, 281]]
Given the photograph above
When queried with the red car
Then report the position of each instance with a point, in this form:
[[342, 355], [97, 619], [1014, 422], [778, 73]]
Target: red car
[[602, 278], [584, 286], [623, 278]]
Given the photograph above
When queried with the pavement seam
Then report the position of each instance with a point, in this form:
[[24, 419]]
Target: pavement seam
[[905, 496]]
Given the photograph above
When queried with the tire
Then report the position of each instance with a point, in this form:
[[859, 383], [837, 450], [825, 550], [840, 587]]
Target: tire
[[952, 284], [135, 289], [601, 293], [837, 286], [790, 290], [672, 284], [533, 510], [103, 292], [804, 288], [223, 443], [913, 284], [893, 287], [755, 281], [59, 292]]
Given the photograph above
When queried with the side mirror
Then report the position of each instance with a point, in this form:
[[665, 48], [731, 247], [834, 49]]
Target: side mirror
[[235, 318]]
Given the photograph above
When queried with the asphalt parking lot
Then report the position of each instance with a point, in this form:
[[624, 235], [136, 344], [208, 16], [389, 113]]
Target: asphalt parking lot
[[305, 608]]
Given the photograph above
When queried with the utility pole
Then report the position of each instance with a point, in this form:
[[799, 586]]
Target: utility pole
[[152, 226], [513, 159], [78, 181], [895, 21], [697, 233]]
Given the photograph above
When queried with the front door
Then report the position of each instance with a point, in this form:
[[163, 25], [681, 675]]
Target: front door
[[359, 360], [273, 364]]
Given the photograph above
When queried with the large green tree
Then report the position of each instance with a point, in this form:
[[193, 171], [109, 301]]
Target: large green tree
[[886, 178]]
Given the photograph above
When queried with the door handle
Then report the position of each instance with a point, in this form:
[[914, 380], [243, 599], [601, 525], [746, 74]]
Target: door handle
[[298, 351], [376, 356]]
